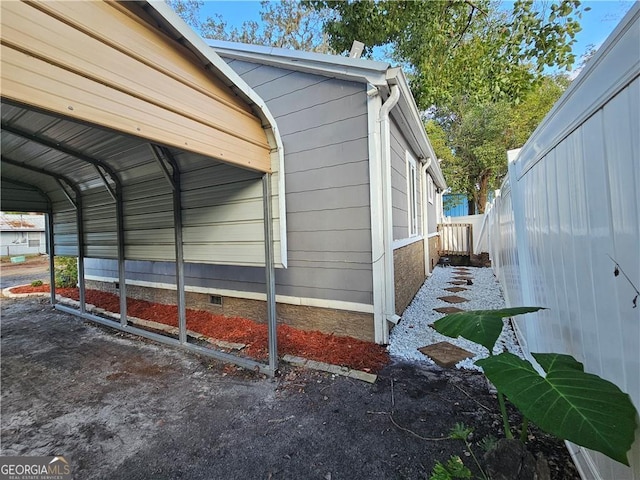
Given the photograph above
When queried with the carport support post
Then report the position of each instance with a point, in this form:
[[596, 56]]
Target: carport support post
[[177, 220], [52, 265], [270, 273], [80, 228], [122, 278]]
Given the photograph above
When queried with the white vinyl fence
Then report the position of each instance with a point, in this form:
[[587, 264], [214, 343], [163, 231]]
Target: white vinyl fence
[[567, 219]]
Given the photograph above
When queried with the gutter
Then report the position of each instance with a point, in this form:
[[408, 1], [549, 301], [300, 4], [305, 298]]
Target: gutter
[[425, 211], [389, 312]]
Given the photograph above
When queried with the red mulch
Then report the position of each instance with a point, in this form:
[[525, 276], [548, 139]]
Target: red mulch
[[314, 345], [30, 289]]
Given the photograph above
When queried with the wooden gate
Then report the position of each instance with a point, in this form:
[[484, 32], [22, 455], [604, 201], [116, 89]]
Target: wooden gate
[[456, 238]]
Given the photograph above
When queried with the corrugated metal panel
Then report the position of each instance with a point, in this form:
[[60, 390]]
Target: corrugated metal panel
[[64, 229], [581, 209], [455, 205], [19, 197], [100, 226], [143, 84]]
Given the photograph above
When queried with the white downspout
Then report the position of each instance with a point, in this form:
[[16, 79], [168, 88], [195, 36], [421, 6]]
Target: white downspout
[[387, 216], [425, 219]]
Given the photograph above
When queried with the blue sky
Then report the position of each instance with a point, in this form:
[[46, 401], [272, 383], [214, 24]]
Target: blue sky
[[597, 23]]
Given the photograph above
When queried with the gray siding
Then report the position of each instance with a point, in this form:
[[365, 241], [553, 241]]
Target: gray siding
[[399, 193], [323, 124], [431, 214]]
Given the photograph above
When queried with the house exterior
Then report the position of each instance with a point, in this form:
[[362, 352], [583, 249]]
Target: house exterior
[[22, 234], [361, 196]]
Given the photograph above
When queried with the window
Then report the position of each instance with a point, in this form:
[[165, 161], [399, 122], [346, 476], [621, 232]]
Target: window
[[34, 239], [412, 195], [430, 188]]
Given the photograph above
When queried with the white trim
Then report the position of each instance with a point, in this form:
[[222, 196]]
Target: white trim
[[424, 173], [374, 103], [406, 241], [290, 300], [430, 189], [385, 192], [434, 234], [412, 194]]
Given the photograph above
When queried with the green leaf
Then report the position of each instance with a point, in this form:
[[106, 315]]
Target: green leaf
[[479, 326], [568, 403], [453, 469]]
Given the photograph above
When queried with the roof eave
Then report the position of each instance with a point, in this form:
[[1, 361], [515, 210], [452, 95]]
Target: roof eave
[[333, 66], [173, 24], [420, 141]]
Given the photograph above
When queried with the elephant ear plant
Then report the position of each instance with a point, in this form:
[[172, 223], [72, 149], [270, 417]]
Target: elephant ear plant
[[566, 401]]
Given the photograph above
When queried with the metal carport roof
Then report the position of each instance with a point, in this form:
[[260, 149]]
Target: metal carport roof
[[140, 144]]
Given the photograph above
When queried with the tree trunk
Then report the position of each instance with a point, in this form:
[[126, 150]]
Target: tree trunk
[[482, 194]]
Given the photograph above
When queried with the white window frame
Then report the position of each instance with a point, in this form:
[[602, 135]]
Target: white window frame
[[430, 189], [412, 195]]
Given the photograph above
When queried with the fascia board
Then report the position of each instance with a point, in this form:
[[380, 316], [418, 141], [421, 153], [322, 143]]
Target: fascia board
[[419, 140], [191, 40], [333, 66]]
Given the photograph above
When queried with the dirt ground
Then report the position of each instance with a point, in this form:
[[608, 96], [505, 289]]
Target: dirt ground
[[119, 407]]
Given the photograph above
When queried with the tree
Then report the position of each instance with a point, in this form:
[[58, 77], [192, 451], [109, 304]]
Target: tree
[[459, 47], [473, 138], [284, 24], [477, 68]]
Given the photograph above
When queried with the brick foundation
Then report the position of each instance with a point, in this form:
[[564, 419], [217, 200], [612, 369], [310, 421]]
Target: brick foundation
[[409, 274], [434, 247], [327, 320]]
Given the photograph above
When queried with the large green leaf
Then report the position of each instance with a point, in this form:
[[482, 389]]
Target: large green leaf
[[480, 326], [568, 403]]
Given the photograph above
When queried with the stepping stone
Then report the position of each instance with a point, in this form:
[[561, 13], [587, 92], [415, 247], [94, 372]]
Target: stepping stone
[[445, 354], [462, 278], [455, 289], [453, 299], [448, 310], [458, 282], [460, 270]]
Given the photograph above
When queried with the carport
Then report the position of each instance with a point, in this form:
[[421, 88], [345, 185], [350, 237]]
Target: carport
[[139, 143]]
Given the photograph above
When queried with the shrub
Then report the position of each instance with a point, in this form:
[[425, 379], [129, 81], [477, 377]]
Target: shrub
[[66, 272], [36, 283]]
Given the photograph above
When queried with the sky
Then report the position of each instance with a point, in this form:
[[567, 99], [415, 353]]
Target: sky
[[597, 23]]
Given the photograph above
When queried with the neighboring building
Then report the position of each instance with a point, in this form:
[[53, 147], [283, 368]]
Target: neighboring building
[[22, 234], [363, 199], [455, 205]]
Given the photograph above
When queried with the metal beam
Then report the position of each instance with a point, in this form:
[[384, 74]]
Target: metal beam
[[52, 253], [163, 155], [60, 148], [106, 183], [80, 232], [66, 194], [29, 186], [116, 195], [225, 357], [270, 273], [49, 173], [157, 154]]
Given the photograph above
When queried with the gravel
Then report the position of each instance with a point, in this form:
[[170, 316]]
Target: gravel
[[414, 329]]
